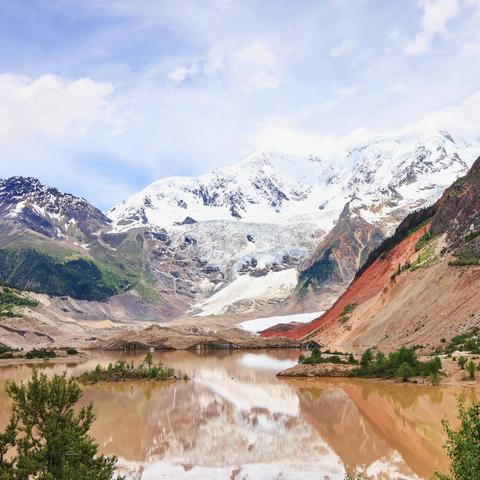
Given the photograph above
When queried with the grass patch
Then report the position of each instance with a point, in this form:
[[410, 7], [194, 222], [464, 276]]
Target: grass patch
[[424, 240], [424, 259], [472, 236]]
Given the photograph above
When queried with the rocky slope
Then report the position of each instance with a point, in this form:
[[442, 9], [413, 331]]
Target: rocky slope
[[316, 217], [418, 287]]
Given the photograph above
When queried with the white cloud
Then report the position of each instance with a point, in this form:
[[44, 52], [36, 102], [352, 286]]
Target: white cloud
[[346, 91], [398, 88], [282, 133], [436, 15], [180, 74], [256, 63], [53, 107], [264, 80], [471, 48], [462, 119], [257, 53], [343, 48], [215, 61]]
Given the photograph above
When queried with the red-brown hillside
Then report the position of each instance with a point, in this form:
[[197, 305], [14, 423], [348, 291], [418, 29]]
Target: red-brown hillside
[[370, 283]]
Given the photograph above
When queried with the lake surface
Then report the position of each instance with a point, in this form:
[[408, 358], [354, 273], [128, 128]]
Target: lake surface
[[235, 420]]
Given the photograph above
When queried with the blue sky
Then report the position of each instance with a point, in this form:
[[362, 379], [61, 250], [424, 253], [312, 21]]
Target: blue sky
[[101, 97]]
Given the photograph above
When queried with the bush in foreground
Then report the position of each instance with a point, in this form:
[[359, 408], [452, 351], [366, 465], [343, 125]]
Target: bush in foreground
[[463, 445], [45, 439]]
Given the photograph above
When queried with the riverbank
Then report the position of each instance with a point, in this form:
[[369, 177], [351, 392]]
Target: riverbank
[[451, 375]]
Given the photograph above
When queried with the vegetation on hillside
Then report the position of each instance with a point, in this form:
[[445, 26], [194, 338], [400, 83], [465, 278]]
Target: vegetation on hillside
[[319, 272], [468, 341], [121, 370], [347, 312], [81, 278], [7, 352], [424, 240], [46, 439], [11, 303]]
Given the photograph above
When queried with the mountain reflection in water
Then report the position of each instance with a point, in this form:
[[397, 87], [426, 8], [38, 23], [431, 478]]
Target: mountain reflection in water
[[235, 419]]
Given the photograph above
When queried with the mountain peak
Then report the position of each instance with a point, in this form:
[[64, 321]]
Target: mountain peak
[[265, 187]]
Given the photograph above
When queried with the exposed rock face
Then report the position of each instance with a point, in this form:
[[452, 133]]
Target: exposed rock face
[[459, 207], [342, 252]]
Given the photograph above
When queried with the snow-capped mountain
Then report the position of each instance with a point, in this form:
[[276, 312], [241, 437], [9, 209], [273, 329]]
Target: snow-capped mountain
[[48, 211], [266, 214], [244, 237], [279, 189]]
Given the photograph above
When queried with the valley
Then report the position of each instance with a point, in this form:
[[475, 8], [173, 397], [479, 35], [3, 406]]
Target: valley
[[271, 236]]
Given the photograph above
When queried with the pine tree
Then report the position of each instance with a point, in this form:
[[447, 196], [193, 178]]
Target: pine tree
[[47, 439]]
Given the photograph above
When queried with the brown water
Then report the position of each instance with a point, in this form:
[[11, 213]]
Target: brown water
[[235, 419]]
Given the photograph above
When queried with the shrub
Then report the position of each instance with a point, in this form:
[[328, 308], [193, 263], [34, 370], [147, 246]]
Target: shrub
[[366, 358], [471, 369], [467, 341], [463, 445], [316, 357], [405, 371]]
